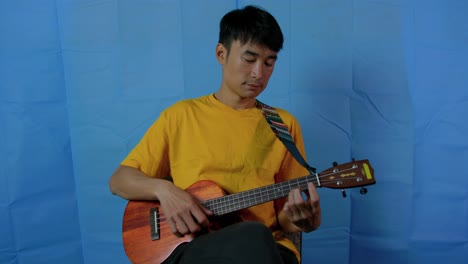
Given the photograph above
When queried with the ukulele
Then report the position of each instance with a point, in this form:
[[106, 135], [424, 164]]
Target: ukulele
[[147, 237]]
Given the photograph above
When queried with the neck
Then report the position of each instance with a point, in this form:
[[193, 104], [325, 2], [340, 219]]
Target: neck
[[235, 102]]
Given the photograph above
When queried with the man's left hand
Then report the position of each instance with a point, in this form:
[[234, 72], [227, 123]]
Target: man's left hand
[[305, 214]]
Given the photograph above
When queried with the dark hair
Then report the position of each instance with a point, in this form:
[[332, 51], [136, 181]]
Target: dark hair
[[250, 24]]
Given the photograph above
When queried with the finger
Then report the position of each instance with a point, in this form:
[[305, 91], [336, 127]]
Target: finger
[[191, 223], [180, 225], [200, 216], [173, 225], [205, 210], [313, 195], [314, 201], [293, 199], [287, 210], [304, 209], [289, 206]]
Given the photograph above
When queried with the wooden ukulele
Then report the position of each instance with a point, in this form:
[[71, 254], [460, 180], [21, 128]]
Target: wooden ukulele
[[147, 237]]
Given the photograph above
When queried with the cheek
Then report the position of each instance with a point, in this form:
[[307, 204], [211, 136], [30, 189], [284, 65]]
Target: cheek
[[243, 68], [267, 73]]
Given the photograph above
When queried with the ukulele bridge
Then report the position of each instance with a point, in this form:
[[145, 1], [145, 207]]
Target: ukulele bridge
[[154, 223]]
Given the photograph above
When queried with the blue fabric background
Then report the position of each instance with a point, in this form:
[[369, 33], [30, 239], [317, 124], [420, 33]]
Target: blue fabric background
[[386, 80]]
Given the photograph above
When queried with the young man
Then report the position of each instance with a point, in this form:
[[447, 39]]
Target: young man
[[223, 137]]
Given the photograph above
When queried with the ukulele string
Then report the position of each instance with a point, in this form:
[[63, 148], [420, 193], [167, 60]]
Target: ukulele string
[[303, 181], [161, 220], [267, 191]]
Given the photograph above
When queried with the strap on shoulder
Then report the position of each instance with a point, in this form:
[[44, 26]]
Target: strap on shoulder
[[281, 131]]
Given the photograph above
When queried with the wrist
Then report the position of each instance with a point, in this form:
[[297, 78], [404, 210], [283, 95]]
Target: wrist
[[160, 187]]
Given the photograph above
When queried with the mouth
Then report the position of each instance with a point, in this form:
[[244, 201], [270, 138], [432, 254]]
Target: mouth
[[254, 85]]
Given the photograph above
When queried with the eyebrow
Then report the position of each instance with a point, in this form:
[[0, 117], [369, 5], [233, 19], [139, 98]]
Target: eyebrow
[[249, 52]]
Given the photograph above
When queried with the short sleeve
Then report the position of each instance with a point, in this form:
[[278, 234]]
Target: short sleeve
[[150, 155]]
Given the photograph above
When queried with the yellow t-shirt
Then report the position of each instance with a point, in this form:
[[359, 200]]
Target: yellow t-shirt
[[203, 139]]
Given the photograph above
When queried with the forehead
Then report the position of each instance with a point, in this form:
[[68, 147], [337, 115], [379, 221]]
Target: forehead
[[251, 47]]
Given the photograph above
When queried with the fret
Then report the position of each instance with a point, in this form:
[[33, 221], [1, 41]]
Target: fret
[[234, 202]]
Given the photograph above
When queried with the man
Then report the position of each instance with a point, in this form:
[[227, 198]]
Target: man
[[224, 138]]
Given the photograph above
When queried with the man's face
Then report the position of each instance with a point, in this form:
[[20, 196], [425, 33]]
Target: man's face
[[246, 69]]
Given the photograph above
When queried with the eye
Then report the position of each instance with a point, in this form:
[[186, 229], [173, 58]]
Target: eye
[[249, 60], [270, 63]]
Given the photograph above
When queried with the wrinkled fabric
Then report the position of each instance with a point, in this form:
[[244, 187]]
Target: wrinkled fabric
[[384, 80]]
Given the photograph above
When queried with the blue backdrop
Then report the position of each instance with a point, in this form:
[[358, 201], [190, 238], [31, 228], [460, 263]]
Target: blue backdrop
[[387, 80]]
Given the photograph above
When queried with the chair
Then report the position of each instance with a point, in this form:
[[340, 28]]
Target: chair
[[296, 238]]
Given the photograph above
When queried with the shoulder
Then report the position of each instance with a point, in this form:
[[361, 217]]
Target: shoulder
[[178, 112], [184, 106], [287, 117], [293, 125], [289, 120], [285, 114]]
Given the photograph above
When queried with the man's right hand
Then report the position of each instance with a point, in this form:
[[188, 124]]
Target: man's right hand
[[183, 212]]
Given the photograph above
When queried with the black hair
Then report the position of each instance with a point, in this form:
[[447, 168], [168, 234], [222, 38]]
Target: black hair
[[250, 24]]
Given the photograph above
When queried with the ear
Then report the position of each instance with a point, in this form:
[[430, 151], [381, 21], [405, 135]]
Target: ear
[[221, 53]]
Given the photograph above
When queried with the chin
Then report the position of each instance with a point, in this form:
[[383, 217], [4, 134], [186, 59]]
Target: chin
[[253, 92], [250, 95]]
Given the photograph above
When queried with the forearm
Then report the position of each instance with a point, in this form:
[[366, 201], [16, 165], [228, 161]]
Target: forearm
[[132, 184]]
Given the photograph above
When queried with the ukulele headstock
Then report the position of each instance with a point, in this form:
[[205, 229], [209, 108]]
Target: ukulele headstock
[[357, 173]]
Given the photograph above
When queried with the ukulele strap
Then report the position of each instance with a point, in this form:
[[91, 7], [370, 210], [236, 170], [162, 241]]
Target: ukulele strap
[[281, 131]]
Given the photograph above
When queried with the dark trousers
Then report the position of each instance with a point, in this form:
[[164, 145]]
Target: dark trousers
[[242, 243]]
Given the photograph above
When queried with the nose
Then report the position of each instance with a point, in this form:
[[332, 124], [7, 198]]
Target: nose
[[257, 70]]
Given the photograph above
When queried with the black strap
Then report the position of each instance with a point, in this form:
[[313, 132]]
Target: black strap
[[281, 130]]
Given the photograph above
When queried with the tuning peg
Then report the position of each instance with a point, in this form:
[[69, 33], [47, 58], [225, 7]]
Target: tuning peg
[[343, 192], [335, 164], [363, 190]]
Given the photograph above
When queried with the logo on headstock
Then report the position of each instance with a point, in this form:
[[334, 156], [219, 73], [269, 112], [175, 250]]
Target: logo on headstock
[[343, 175]]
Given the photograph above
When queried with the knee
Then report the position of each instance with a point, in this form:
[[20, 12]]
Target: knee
[[253, 231]]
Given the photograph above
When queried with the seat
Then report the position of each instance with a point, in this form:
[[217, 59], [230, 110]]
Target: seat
[[296, 238]]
